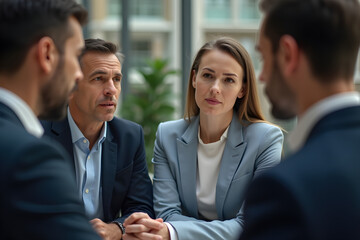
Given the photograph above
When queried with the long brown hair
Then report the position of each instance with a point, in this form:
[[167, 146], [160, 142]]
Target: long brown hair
[[248, 107]]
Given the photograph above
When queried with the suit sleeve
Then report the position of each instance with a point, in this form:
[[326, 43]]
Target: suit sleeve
[[270, 150], [271, 211], [42, 196], [139, 197]]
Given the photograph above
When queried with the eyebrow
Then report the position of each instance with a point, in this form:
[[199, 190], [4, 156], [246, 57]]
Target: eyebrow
[[101, 72], [226, 74]]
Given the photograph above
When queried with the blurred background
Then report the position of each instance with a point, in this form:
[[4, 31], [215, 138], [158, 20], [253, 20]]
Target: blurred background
[[159, 39]]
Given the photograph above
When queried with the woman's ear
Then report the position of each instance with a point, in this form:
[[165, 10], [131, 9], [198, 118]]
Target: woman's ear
[[242, 91], [48, 55], [193, 79]]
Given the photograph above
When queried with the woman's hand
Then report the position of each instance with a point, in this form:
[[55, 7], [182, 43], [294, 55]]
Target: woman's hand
[[141, 226]]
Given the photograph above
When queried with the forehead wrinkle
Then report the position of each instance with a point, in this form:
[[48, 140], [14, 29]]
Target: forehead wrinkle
[[98, 72]]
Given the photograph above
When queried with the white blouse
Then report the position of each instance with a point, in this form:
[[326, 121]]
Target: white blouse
[[208, 167]]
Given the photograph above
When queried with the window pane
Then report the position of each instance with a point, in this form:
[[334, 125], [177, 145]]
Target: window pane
[[140, 52], [217, 9], [148, 9], [114, 8], [249, 9]]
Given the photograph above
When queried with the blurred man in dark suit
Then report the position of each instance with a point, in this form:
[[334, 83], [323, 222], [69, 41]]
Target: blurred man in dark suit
[[309, 49], [40, 43]]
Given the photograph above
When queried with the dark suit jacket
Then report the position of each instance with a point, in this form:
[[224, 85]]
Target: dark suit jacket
[[126, 185], [38, 199], [314, 194]]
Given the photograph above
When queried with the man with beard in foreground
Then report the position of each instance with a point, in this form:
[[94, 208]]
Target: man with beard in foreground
[[309, 49], [40, 43]]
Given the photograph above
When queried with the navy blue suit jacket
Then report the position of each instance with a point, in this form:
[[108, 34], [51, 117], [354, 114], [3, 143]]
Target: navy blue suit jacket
[[38, 199], [126, 186], [315, 193]]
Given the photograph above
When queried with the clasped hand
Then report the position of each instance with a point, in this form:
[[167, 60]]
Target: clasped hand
[[141, 226]]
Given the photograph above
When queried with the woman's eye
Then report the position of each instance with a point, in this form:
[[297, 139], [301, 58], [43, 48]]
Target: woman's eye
[[207, 75], [229, 80]]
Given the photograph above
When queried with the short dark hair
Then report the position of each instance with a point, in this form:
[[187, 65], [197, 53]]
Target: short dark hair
[[101, 46], [328, 31], [24, 22]]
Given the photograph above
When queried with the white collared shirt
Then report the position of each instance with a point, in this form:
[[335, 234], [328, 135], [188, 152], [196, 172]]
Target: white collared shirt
[[209, 159], [23, 112], [308, 120]]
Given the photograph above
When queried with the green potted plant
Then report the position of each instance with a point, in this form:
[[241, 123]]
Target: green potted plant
[[150, 103]]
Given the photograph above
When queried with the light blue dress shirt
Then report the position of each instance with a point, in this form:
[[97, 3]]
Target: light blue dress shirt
[[88, 169]]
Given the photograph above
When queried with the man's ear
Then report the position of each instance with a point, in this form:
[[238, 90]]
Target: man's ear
[[48, 55], [288, 55]]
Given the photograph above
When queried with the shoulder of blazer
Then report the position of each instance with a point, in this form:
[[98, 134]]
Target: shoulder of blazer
[[258, 130], [119, 127], [55, 127], [8, 114], [179, 129]]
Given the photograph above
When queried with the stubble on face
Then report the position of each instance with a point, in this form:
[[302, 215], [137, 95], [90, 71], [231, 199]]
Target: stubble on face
[[54, 103], [282, 98], [55, 93]]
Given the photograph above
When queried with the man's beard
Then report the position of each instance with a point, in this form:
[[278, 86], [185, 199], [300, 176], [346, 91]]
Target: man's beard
[[282, 98], [54, 97]]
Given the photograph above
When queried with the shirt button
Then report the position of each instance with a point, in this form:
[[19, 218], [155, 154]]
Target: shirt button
[[85, 141], [88, 157], [87, 190]]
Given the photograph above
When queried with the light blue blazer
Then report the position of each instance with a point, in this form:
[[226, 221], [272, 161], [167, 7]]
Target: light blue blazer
[[249, 150]]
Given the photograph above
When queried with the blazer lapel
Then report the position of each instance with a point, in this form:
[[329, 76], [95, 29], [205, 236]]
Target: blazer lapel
[[108, 170], [231, 159], [187, 155]]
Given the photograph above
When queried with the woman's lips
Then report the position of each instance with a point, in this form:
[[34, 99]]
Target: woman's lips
[[212, 101]]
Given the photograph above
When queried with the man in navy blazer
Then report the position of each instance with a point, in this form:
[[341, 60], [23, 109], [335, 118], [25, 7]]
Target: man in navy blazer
[[40, 43], [309, 50], [108, 152]]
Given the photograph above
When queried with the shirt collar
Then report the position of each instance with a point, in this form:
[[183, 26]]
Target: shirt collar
[[308, 120], [77, 135], [23, 112]]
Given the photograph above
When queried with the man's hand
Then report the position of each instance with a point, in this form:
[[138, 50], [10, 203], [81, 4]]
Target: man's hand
[[107, 231], [141, 226]]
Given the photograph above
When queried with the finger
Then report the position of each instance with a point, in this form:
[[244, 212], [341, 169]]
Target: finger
[[142, 236], [149, 236], [151, 223], [134, 218], [130, 236], [95, 220], [137, 228], [159, 220]]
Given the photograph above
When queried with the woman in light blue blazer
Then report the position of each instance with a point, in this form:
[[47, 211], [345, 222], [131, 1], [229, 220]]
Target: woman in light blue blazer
[[204, 163]]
